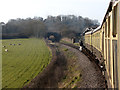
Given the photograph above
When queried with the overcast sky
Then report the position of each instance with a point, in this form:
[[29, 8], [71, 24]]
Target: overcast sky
[[12, 9]]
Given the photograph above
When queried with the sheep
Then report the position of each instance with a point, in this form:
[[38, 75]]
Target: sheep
[[19, 44], [13, 44], [6, 50], [4, 46]]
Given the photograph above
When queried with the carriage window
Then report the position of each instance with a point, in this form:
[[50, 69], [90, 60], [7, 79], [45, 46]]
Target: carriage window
[[114, 21], [105, 29], [109, 26]]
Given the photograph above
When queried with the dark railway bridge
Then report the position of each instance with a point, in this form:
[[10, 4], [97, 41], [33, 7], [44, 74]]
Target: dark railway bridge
[[53, 36]]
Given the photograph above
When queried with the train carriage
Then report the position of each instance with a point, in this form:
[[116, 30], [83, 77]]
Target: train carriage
[[104, 43]]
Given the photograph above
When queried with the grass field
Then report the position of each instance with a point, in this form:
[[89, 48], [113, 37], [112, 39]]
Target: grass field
[[23, 62]]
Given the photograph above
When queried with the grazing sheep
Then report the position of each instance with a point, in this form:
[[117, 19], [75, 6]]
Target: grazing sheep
[[19, 44], [4, 46], [6, 50], [14, 44]]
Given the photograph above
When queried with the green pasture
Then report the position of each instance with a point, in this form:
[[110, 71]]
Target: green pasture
[[23, 62]]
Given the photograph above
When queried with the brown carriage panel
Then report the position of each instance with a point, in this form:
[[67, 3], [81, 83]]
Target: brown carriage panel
[[103, 41], [106, 29], [114, 33], [115, 65], [106, 53], [101, 38], [109, 26], [109, 59], [118, 50]]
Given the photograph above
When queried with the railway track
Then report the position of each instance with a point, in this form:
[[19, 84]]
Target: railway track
[[91, 70], [86, 52], [91, 57]]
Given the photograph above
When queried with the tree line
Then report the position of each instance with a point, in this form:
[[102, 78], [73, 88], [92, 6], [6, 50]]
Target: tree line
[[65, 25]]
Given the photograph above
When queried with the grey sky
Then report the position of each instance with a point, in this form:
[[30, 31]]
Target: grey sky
[[12, 9]]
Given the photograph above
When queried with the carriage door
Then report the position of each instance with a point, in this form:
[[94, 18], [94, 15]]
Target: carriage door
[[114, 46]]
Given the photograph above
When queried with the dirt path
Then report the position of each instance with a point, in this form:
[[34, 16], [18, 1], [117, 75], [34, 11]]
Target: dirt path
[[52, 74], [69, 68]]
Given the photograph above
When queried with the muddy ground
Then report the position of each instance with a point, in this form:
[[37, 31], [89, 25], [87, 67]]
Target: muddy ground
[[69, 68]]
